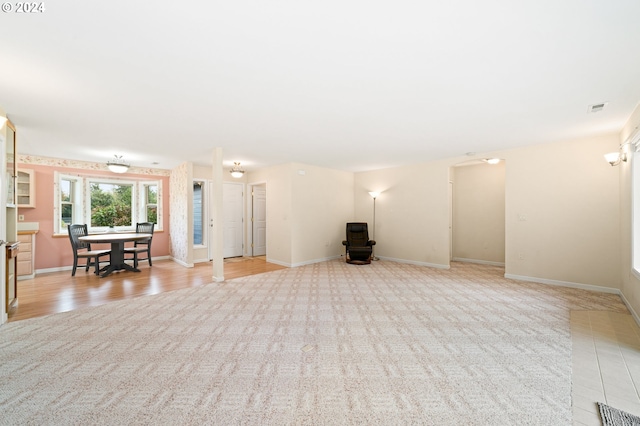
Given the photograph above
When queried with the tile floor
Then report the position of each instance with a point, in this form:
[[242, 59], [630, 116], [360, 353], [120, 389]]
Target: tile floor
[[606, 364]]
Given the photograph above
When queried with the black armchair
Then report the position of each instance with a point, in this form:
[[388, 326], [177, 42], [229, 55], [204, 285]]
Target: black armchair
[[358, 246]]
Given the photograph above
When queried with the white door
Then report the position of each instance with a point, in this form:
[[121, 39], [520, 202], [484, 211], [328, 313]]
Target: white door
[[232, 202], [259, 221]]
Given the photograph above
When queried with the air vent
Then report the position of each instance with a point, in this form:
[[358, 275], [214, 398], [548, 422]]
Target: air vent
[[596, 107]]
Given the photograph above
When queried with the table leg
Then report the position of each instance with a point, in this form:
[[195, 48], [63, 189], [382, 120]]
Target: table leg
[[117, 260]]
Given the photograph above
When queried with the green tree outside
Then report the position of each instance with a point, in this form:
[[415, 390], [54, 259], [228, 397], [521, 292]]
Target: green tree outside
[[110, 205]]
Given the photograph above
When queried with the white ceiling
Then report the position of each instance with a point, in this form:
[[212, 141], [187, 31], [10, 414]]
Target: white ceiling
[[351, 84]]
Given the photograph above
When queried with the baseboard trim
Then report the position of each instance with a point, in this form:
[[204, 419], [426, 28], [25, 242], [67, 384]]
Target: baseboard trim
[[415, 262], [69, 268], [590, 287], [481, 262], [311, 262]]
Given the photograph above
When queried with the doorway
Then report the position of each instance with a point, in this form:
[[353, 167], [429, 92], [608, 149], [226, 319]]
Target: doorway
[[477, 212], [259, 220], [233, 232]]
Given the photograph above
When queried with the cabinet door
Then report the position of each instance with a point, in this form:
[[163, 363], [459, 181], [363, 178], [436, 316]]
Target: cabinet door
[[26, 187]]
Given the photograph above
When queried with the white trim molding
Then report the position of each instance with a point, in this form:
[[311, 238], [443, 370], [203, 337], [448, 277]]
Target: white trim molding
[[590, 287]]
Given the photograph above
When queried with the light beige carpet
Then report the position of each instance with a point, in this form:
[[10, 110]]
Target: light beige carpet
[[323, 344]]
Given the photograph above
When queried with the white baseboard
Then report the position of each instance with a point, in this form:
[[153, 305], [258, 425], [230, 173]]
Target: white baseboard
[[69, 268], [481, 262], [181, 263], [590, 287], [415, 262]]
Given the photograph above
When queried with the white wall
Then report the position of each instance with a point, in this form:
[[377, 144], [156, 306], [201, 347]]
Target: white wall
[[307, 208], [478, 201], [630, 284], [563, 213], [279, 211], [322, 205], [412, 211], [565, 191]]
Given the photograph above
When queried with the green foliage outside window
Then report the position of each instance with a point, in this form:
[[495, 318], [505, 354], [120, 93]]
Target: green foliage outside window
[[110, 204]]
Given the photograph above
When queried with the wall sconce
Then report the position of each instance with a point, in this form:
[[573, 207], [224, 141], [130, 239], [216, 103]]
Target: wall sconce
[[492, 160], [236, 171], [2, 121], [615, 158], [117, 165]]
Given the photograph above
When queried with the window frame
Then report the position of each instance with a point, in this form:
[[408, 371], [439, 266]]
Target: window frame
[[82, 201], [110, 181]]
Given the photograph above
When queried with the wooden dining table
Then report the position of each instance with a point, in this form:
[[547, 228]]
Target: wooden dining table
[[117, 240]]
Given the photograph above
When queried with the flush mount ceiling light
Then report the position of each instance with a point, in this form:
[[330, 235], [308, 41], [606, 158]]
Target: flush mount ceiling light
[[236, 171], [117, 165]]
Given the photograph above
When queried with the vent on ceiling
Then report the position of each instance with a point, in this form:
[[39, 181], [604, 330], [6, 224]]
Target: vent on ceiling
[[596, 107]]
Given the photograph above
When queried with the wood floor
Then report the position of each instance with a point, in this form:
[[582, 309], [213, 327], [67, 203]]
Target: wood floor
[[60, 292]]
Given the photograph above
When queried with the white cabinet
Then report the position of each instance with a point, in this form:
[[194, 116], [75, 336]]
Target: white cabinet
[[26, 188], [27, 255]]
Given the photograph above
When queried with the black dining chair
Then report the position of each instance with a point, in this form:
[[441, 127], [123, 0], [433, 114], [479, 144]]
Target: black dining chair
[[143, 246], [82, 250]]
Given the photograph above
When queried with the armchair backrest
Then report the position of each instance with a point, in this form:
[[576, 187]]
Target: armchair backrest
[[144, 227], [76, 231], [357, 234]]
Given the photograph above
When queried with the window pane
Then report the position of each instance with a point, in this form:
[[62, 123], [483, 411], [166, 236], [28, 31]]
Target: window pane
[[67, 215], [197, 213], [111, 204], [65, 190], [152, 194], [152, 214]]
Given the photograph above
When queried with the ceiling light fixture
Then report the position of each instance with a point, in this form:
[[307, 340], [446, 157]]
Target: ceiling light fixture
[[236, 171], [492, 160], [117, 165]]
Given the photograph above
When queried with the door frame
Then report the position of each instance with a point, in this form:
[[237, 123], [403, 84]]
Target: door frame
[[249, 245], [242, 212]]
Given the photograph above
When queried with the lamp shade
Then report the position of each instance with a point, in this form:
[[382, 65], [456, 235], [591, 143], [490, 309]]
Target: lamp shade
[[117, 165], [236, 171], [612, 157], [374, 194]]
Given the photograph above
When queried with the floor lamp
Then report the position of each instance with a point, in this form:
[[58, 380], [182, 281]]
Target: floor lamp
[[373, 233]]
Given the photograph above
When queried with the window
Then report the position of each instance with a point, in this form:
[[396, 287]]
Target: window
[[198, 213], [68, 198], [67, 189], [150, 203], [109, 202], [112, 204]]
